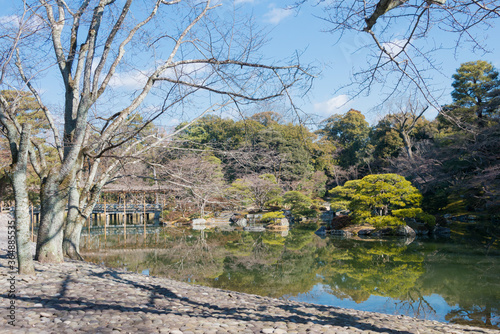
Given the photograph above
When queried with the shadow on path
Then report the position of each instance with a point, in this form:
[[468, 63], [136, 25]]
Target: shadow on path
[[202, 310]]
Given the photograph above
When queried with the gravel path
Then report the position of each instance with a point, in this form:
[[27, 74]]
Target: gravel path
[[78, 297]]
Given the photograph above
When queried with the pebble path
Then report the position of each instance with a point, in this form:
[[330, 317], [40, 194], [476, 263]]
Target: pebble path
[[80, 297]]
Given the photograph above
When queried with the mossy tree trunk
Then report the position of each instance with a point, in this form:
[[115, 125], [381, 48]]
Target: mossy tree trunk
[[53, 199], [19, 173], [19, 148], [74, 223]]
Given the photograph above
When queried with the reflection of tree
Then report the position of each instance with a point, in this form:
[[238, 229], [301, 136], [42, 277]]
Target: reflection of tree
[[415, 304], [299, 238], [290, 275], [474, 315], [261, 263], [243, 246], [269, 264], [468, 281], [273, 239], [181, 257], [264, 248], [357, 270]]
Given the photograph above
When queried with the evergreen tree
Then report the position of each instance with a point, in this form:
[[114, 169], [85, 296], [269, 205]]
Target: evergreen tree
[[476, 93], [381, 200], [351, 131]]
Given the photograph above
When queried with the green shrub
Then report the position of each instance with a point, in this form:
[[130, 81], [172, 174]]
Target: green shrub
[[340, 205], [427, 219], [276, 201], [299, 204], [384, 221], [307, 213], [381, 200], [272, 216]]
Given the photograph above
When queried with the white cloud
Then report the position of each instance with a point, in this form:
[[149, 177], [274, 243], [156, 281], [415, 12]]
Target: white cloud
[[276, 15], [395, 46], [30, 24], [136, 79], [11, 20], [173, 122], [129, 80], [338, 104], [188, 70]]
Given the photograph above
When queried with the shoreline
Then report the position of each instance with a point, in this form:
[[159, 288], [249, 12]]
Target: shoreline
[[80, 297]]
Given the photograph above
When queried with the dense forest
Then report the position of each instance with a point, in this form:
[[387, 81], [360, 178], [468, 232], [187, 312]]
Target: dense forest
[[264, 162]]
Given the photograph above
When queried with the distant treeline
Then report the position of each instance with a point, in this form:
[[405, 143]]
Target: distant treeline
[[454, 160]]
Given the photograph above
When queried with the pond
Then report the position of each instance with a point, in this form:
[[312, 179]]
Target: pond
[[446, 280]]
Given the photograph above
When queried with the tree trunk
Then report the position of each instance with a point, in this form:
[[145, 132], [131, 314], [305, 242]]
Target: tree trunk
[[53, 198], [408, 145], [24, 255], [81, 206], [76, 220], [202, 208], [74, 224], [71, 242]]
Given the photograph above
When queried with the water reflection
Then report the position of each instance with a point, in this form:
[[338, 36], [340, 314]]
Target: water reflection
[[443, 281]]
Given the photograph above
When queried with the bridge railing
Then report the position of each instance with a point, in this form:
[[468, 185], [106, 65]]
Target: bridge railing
[[128, 207], [99, 208]]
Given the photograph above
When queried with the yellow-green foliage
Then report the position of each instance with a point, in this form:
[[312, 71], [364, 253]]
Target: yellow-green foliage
[[339, 205], [272, 216], [416, 213], [384, 221], [273, 239], [276, 201], [408, 213], [381, 200], [299, 203]]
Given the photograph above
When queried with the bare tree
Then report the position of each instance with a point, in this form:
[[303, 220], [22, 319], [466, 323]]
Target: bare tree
[[255, 189], [93, 45], [402, 39], [405, 120], [19, 146], [200, 177], [252, 159], [14, 34]]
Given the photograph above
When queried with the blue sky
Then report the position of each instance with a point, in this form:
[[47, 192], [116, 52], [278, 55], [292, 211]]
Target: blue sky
[[291, 31], [304, 31]]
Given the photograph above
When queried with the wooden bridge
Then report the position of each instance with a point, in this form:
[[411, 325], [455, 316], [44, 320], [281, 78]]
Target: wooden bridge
[[113, 208], [111, 218]]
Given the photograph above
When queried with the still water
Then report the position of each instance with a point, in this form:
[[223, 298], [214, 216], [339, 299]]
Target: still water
[[447, 280]]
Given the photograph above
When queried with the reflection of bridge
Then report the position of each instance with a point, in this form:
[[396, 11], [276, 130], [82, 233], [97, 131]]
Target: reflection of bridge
[[118, 230]]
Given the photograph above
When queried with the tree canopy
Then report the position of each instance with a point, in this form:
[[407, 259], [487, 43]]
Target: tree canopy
[[380, 200], [476, 93]]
